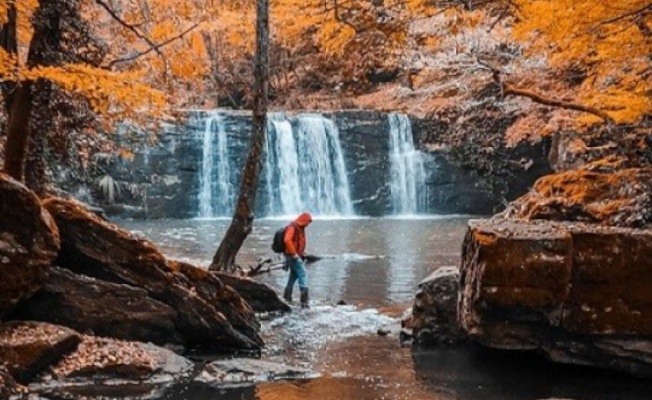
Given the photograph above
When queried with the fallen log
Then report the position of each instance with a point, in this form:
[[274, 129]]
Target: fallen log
[[268, 265]]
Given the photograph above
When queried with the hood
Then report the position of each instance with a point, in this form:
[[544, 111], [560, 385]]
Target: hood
[[303, 220]]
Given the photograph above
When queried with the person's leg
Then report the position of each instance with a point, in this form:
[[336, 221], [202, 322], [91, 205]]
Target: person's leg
[[303, 281], [300, 270], [292, 278]]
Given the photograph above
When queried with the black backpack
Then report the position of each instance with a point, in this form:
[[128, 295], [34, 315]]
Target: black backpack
[[278, 245]]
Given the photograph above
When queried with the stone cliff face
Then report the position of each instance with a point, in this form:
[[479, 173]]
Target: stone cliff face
[[162, 179]]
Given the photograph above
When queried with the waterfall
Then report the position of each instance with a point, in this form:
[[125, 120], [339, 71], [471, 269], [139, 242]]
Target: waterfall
[[407, 173], [305, 167], [216, 171]]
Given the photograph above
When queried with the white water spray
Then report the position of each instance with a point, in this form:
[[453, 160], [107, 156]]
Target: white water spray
[[305, 167], [216, 171]]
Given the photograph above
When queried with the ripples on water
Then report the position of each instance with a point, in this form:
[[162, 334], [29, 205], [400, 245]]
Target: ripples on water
[[375, 265]]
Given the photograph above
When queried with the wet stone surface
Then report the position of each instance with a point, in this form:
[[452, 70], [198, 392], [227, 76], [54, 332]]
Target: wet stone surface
[[248, 371]]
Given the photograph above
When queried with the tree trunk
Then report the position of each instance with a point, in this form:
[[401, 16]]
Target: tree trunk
[[19, 96], [18, 130], [18, 102], [243, 217]]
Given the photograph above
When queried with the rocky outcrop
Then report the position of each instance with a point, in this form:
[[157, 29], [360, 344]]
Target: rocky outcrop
[[434, 314], [29, 241], [28, 348], [104, 308], [207, 312], [260, 297], [622, 146], [618, 198], [578, 292]]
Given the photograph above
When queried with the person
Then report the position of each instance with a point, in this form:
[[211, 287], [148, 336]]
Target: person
[[295, 245]]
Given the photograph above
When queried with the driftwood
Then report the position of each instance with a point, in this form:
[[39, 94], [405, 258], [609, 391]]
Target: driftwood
[[268, 265]]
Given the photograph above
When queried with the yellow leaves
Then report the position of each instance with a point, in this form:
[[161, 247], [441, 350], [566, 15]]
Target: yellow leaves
[[109, 93]]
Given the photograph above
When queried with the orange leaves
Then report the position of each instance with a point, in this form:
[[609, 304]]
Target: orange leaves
[[607, 38], [109, 93]]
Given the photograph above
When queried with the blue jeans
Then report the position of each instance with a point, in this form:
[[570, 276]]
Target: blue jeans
[[297, 272]]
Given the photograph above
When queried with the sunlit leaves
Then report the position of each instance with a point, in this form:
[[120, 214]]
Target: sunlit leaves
[[611, 40]]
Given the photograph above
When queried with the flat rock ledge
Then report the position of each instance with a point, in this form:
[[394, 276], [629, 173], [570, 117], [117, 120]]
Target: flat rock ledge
[[52, 359], [247, 371], [580, 293]]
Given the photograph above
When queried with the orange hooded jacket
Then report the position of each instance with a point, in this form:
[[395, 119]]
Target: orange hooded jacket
[[295, 235]]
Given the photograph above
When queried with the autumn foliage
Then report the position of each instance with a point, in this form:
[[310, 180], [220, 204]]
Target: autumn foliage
[[419, 56]]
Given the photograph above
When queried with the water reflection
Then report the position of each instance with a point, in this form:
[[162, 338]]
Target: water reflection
[[370, 262]]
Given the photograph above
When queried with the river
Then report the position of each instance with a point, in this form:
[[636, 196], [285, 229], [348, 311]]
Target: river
[[374, 266]]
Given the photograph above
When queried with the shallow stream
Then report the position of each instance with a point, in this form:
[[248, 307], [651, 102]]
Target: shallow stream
[[374, 266]]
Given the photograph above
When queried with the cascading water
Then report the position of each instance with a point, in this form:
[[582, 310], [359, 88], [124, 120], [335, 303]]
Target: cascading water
[[216, 170], [408, 175], [305, 167]]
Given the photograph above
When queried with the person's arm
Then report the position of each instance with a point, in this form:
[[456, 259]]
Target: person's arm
[[288, 240]]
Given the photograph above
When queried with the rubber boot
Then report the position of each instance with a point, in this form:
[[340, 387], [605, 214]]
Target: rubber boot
[[287, 294], [304, 298]]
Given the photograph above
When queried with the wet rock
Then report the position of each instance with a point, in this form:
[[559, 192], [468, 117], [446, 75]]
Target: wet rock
[[260, 297], [434, 314], [206, 316], [224, 298], [578, 292], [405, 335], [621, 198], [8, 385], [101, 362], [248, 371], [29, 241], [29, 347], [106, 309]]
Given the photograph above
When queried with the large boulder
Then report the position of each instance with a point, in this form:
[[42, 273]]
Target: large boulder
[[29, 241], [105, 308], [578, 292], [434, 314], [261, 297], [28, 347], [208, 317]]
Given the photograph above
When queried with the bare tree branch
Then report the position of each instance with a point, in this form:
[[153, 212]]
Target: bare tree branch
[[155, 47], [508, 89], [130, 27], [643, 10]]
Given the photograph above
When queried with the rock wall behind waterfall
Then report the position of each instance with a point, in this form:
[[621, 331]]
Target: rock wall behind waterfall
[[163, 179]]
